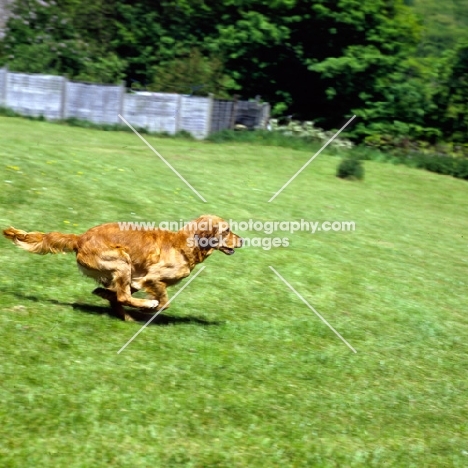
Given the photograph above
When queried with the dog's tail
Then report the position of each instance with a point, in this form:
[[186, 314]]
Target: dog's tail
[[40, 243]]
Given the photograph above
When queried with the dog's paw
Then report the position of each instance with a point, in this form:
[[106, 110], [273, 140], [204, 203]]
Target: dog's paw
[[153, 303]]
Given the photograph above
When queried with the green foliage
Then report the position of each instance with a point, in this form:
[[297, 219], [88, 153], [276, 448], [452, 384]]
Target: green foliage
[[309, 132], [183, 134], [279, 109], [355, 65], [107, 69], [295, 134], [452, 96], [351, 169], [438, 164], [193, 74], [400, 106], [265, 138], [6, 112], [448, 159], [461, 169], [446, 165], [445, 24], [69, 39], [402, 145]]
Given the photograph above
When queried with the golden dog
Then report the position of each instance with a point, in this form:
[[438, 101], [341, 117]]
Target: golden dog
[[126, 261]]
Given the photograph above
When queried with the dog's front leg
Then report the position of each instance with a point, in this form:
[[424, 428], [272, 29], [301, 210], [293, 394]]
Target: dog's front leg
[[157, 289]]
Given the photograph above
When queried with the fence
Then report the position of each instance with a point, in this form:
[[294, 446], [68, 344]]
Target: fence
[[55, 97]]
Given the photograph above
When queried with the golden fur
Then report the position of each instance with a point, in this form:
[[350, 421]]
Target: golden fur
[[126, 261]]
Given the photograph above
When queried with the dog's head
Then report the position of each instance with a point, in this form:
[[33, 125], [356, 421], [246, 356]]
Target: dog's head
[[213, 233]]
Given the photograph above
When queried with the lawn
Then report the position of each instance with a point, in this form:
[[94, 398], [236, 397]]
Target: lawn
[[239, 372]]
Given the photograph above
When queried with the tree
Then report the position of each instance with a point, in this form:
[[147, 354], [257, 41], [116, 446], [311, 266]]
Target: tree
[[452, 98], [70, 39], [193, 74]]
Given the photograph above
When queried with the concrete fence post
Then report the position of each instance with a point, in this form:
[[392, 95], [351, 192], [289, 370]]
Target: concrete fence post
[[259, 113], [122, 101], [63, 100], [265, 115], [235, 104], [209, 116], [178, 114], [3, 91]]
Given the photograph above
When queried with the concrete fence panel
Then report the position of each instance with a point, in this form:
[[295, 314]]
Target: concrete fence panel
[[157, 112], [93, 102], [34, 95], [195, 115]]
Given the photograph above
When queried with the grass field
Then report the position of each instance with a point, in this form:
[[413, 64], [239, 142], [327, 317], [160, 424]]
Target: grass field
[[239, 372]]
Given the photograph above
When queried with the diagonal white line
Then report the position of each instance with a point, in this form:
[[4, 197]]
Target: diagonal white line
[[159, 311], [312, 309], [312, 158], [167, 163]]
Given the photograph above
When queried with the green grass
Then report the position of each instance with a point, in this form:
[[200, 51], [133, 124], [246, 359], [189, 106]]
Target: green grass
[[239, 372]]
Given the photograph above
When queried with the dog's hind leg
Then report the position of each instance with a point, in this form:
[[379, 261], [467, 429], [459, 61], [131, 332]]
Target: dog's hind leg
[[117, 308], [116, 265]]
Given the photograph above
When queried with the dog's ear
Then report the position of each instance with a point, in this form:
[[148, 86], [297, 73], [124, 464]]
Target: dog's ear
[[206, 228]]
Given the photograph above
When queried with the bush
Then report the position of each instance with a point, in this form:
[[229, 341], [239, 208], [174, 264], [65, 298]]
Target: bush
[[6, 112], [183, 134], [309, 132], [461, 169], [441, 165], [267, 138], [195, 74], [351, 169]]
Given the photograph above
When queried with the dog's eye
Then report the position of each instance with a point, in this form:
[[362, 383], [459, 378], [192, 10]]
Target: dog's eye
[[227, 231]]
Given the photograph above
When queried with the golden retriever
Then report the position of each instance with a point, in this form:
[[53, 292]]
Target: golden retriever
[[126, 261]]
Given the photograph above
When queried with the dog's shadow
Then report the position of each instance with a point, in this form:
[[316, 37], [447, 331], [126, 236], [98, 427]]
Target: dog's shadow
[[161, 319]]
